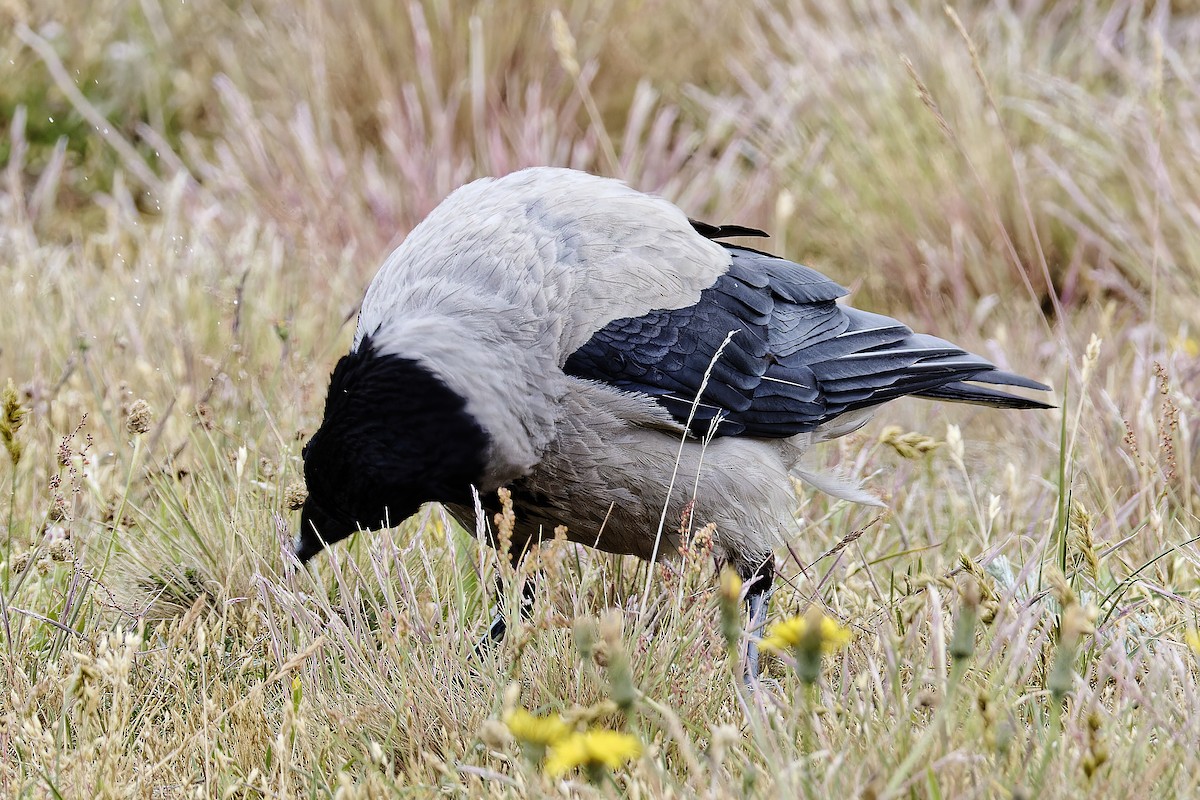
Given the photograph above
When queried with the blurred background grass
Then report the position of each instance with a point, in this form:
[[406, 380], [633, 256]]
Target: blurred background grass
[[195, 195], [1054, 141]]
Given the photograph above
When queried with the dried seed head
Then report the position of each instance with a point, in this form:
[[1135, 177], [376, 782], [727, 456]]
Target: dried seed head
[[1089, 358], [585, 716], [61, 550], [294, 496], [928, 698], [612, 623], [511, 696], [695, 552], [1080, 526], [954, 444], [204, 416], [1077, 621], [722, 737], [506, 522], [12, 416], [1061, 590], [494, 734], [564, 43], [909, 445], [585, 635], [610, 653], [140, 417]]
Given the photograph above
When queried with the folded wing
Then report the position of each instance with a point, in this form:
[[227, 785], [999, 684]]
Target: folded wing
[[794, 359]]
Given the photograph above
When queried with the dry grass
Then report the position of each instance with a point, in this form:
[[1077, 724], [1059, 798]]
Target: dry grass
[[195, 196]]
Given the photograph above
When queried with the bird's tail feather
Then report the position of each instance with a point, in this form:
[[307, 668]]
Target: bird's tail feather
[[963, 392]]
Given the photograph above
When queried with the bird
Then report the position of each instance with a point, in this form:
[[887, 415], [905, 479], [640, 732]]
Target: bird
[[613, 364]]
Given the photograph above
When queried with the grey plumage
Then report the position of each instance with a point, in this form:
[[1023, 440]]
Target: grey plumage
[[508, 277], [576, 319]]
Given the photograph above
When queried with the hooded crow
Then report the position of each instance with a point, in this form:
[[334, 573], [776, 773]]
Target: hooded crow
[[605, 358]]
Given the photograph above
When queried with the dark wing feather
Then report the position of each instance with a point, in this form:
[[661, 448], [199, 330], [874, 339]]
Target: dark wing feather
[[725, 231], [796, 359]]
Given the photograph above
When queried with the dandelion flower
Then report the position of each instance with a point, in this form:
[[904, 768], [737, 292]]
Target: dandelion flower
[[593, 750], [730, 602], [535, 730], [808, 638], [731, 584], [803, 632]]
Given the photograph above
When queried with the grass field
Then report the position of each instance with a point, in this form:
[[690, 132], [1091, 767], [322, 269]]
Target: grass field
[[194, 197]]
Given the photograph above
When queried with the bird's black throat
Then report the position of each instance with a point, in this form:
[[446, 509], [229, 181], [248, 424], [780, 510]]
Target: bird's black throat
[[394, 436]]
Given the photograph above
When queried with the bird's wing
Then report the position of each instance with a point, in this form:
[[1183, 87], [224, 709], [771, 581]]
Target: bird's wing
[[795, 360]]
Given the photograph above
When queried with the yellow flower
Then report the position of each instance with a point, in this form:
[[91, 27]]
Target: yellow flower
[[731, 584], [1192, 638], [1188, 345], [539, 731], [592, 749], [730, 602], [809, 638], [813, 631], [297, 692]]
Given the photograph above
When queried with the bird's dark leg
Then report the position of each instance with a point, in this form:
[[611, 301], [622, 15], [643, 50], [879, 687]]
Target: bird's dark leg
[[758, 593], [515, 553], [499, 627]]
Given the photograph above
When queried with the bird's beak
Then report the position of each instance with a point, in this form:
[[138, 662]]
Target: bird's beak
[[317, 529]]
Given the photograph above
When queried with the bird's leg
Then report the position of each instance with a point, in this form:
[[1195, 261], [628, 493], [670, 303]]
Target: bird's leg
[[514, 552], [499, 627], [758, 593]]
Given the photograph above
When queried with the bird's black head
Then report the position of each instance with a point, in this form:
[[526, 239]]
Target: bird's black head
[[394, 436]]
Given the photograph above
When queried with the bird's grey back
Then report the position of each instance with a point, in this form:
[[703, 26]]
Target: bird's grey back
[[568, 251], [508, 276]]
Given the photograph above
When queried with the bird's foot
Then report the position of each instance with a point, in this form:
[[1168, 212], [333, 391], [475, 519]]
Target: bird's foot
[[764, 688]]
